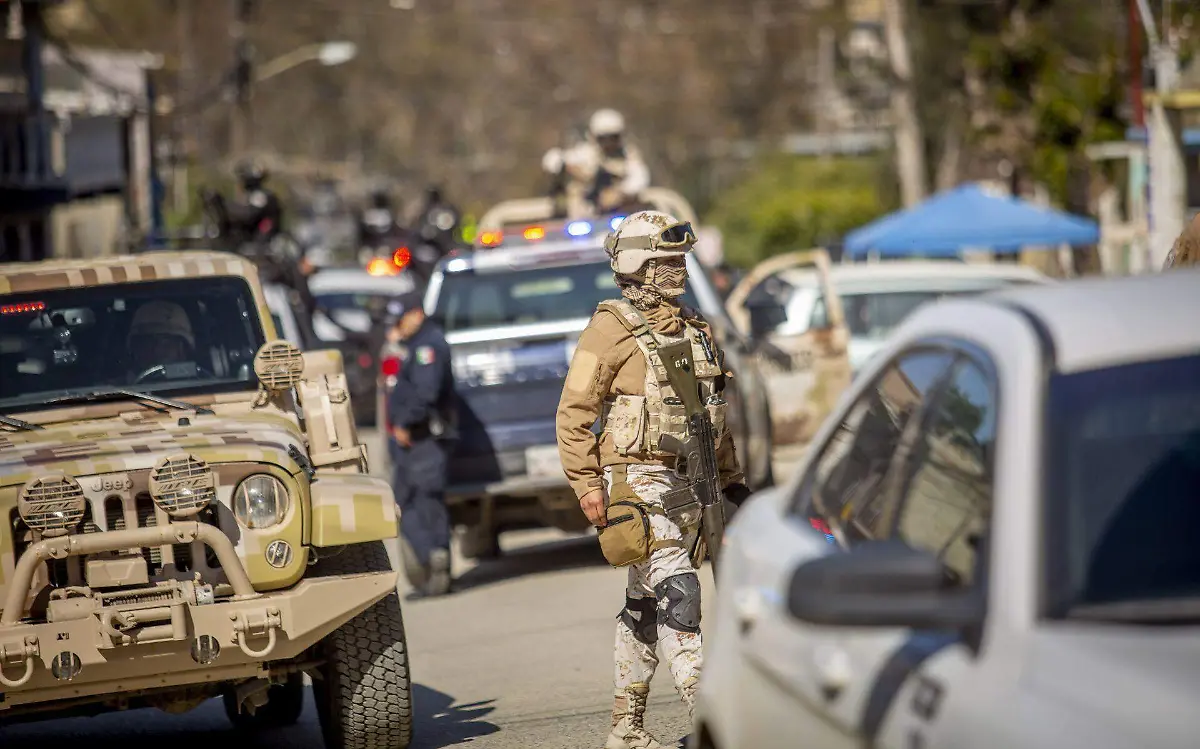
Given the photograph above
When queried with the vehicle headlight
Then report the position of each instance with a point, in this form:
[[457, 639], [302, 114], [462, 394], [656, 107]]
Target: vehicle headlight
[[260, 501]]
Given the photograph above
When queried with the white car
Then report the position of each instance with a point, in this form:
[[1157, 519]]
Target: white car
[[285, 315], [994, 542], [876, 297], [352, 296]]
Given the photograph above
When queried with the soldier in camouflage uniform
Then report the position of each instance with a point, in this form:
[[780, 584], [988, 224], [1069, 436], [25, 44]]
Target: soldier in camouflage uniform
[[610, 378], [1186, 251]]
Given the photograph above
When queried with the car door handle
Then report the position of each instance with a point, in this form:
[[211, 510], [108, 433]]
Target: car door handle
[[833, 672], [749, 605]]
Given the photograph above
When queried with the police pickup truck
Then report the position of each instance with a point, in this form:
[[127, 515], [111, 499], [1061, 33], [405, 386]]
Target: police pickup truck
[[512, 311]]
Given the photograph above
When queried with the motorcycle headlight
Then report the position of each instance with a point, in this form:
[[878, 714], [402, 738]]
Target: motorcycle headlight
[[260, 501]]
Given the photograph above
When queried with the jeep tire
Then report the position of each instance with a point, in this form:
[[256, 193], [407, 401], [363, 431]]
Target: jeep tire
[[364, 693], [285, 703]]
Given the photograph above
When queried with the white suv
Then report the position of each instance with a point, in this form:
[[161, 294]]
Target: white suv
[[994, 542]]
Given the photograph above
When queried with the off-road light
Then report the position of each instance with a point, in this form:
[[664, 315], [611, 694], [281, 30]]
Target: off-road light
[[182, 485], [52, 504], [260, 501], [205, 649], [66, 666]]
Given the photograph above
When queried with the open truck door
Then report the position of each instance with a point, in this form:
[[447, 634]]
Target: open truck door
[[805, 363]]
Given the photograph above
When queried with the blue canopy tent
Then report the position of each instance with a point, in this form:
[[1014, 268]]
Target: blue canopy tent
[[969, 218]]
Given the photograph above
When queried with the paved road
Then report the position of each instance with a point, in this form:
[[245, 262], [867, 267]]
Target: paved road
[[520, 656]]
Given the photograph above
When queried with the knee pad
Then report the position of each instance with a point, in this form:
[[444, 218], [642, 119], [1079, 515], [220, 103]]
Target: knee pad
[[679, 602], [639, 616]]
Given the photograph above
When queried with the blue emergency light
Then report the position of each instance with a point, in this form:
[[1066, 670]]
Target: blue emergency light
[[615, 222], [579, 228]]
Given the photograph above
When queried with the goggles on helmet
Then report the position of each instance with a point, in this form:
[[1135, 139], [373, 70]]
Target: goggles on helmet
[[671, 237]]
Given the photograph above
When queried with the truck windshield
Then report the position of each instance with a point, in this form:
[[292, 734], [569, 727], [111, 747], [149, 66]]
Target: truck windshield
[[1123, 492], [175, 336], [490, 299]]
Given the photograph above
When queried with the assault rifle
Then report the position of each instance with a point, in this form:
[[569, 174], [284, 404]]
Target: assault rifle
[[695, 455]]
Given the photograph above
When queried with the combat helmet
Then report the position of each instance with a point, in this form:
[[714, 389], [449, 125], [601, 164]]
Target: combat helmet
[[606, 123], [646, 236], [160, 317]]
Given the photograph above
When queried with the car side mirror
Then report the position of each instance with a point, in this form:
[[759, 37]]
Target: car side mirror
[[882, 584]]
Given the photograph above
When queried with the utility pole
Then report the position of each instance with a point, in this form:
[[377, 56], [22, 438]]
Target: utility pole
[[910, 141], [1168, 170], [241, 122]]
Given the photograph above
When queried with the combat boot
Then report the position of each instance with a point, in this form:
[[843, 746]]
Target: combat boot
[[628, 714]]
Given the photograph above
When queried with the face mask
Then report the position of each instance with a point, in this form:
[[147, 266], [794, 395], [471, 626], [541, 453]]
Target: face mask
[[669, 279]]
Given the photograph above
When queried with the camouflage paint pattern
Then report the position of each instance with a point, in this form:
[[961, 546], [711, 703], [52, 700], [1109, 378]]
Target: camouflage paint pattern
[[48, 275], [352, 509], [634, 661], [1186, 251]]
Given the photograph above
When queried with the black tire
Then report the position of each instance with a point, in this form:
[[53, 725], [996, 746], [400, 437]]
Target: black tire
[[364, 695], [284, 706]]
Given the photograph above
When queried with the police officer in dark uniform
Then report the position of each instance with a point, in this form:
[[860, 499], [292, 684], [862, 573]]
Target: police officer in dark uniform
[[422, 410]]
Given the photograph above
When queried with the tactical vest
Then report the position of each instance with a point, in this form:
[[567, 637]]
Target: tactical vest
[[635, 422]]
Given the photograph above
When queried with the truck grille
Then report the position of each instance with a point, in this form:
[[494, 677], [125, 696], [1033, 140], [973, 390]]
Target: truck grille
[[161, 559], [177, 561]]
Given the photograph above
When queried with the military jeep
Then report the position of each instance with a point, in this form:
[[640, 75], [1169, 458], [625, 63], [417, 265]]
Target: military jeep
[[185, 506]]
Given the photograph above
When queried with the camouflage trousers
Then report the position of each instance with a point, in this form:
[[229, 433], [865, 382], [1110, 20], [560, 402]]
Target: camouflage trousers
[[637, 651]]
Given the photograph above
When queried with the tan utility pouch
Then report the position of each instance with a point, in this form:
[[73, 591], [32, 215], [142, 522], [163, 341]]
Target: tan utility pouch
[[626, 537], [626, 422]]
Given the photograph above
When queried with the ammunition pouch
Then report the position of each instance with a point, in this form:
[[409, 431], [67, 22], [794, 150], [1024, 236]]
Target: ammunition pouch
[[682, 507], [624, 419]]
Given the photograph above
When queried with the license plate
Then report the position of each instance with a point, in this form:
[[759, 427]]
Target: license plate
[[543, 461]]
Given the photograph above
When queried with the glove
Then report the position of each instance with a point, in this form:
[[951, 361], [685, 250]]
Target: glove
[[552, 162]]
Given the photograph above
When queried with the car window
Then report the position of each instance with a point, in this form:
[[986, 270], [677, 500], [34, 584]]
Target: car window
[[846, 490], [948, 500], [164, 336], [1123, 477], [473, 300]]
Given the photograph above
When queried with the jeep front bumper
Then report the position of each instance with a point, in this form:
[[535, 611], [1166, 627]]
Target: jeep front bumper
[[165, 634]]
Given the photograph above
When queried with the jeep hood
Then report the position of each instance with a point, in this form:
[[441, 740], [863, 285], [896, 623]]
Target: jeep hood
[[86, 448]]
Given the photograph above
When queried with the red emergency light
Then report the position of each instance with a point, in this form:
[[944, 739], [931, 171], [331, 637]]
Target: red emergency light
[[23, 308]]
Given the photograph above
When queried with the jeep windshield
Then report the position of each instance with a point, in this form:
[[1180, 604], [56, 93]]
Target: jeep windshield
[[496, 297], [163, 337]]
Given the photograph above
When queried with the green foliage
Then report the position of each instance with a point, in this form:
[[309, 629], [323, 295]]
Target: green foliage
[[1049, 71], [794, 203]]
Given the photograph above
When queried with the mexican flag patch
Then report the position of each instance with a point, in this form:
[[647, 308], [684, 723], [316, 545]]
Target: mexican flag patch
[[424, 355]]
